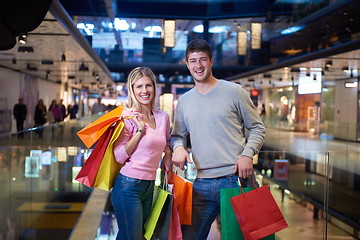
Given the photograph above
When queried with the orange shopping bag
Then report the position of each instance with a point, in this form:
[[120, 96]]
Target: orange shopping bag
[[92, 132], [183, 190]]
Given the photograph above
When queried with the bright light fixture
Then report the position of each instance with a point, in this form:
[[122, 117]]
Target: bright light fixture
[[241, 43], [153, 29], [169, 33], [121, 24], [198, 28], [291, 30], [256, 35]]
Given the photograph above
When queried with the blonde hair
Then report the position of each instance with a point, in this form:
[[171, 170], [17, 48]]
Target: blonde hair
[[135, 75]]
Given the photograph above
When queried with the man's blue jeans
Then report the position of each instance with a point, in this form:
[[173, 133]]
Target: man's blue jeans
[[132, 200], [206, 204]]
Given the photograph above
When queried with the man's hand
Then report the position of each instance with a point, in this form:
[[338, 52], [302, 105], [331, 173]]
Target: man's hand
[[180, 155], [244, 167]]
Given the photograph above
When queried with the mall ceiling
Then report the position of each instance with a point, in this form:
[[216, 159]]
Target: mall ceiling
[[325, 27], [334, 26]]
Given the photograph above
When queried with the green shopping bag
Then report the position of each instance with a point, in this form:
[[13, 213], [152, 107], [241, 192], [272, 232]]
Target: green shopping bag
[[230, 229], [151, 223]]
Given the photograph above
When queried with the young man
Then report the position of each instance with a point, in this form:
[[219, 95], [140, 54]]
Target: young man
[[215, 113]]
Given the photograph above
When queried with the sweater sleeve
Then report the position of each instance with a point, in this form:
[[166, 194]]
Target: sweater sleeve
[[179, 130], [252, 122], [119, 146], [167, 130]]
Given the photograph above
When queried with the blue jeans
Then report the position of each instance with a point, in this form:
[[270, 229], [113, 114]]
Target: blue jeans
[[206, 204], [132, 200]]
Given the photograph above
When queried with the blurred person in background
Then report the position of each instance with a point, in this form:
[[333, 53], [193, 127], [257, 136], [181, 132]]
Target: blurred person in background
[[20, 113], [40, 116]]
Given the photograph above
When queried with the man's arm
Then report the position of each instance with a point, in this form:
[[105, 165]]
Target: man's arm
[[178, 140], [256, 137]]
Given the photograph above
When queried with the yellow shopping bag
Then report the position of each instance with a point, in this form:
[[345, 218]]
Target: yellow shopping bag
[[109, 168]]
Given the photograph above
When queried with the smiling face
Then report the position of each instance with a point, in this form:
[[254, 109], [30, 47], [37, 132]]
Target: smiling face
[[144, 90], [199, 65]]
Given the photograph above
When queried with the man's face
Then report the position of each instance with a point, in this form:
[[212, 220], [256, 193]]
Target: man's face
[[199, 65]]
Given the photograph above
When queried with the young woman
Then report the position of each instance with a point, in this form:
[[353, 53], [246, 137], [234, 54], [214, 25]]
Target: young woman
[[140, 146]]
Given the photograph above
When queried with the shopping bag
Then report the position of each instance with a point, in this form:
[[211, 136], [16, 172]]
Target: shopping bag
[[109, 168], [162, 227], [155, 212], [183, 190], [230, 229], [92, 132], [257, 213], [90, 168], [175, 225]]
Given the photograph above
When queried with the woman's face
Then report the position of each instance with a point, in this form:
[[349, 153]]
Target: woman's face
[[144, 90]]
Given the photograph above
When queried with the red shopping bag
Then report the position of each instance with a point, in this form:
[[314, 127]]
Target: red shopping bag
[[90, 168], [183, 190], [257, 213], [92, 132]]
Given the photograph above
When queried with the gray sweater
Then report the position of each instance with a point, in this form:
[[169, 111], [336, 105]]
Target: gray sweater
[[216, 122]]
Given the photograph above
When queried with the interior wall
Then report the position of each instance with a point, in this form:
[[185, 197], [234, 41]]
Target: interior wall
[[14, 85], [345, 110]]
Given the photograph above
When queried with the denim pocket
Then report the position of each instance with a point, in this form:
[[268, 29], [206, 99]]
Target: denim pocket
[[129, 180]]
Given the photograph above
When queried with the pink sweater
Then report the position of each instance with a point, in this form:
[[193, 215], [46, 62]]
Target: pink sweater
[[144, 161]]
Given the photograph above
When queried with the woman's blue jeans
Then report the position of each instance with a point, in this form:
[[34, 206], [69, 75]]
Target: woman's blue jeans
[[206, 204], [132, 201]]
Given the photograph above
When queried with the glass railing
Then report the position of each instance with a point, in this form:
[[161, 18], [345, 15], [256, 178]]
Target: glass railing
[[38, 196], [321, 188], [314, 180]]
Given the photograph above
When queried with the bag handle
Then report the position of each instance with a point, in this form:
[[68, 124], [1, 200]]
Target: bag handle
[[252, 181]]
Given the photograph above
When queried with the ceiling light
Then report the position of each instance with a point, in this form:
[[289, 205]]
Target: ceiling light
[[169, 33], [23, 38], [198, 28], [328, 63], [218, 29], [256, 35], [83, 67], [294, 70], [25, 49], [267, 75], [31, 68], [121, 24], [291, 30], [153, 29], [241, 43], [47, 62]]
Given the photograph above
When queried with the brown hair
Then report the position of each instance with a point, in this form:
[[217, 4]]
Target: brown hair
[[198, 45]]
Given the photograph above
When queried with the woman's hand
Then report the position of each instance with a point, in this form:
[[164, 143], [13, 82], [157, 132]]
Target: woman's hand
[[139, 123]]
